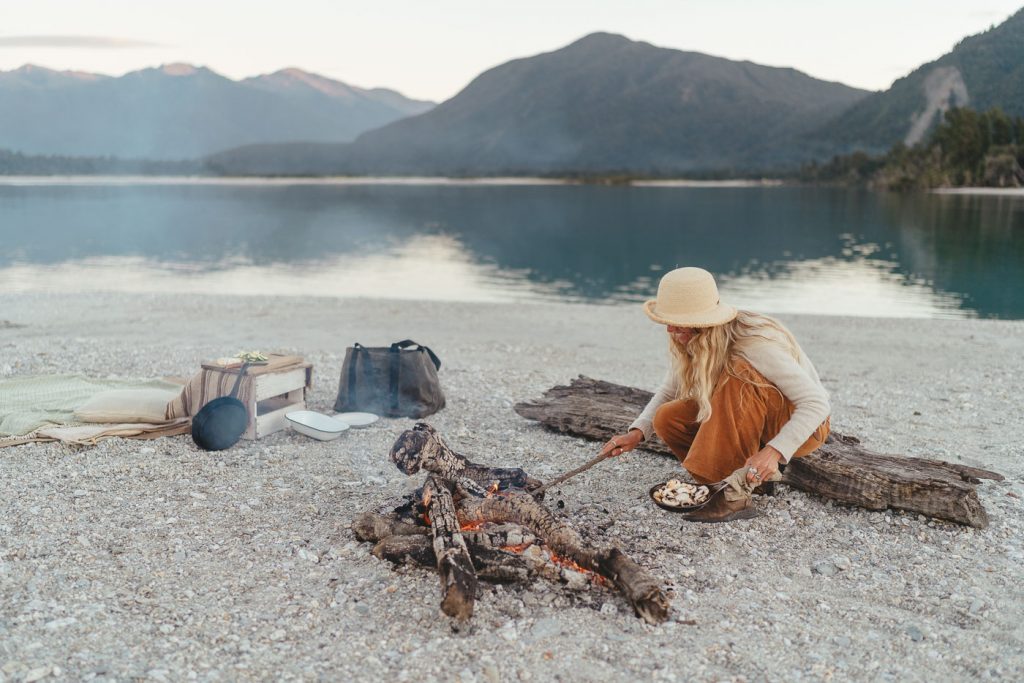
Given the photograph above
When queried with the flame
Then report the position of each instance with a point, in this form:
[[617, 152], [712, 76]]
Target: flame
[[493, 488], [426, 507]]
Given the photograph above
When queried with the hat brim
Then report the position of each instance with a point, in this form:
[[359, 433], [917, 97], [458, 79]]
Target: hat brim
[[719, 315]]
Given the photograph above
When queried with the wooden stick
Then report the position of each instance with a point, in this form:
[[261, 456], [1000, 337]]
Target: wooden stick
[[571, 473]]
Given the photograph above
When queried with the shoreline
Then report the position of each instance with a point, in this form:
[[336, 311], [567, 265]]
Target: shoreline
[[151, 559], [511, 181], [63, 180]]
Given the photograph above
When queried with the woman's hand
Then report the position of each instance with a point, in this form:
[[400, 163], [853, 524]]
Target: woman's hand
[[622, 443], [763, 465]]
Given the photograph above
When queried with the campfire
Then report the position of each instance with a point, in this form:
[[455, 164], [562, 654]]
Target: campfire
[[472, 522]]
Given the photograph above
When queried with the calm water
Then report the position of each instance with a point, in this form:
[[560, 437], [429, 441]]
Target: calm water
[[779, 249]]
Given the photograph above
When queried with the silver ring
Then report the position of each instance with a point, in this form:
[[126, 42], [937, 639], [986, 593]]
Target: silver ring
[[752, 470]]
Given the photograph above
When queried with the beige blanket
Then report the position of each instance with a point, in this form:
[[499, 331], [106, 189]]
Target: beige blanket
[[41, 408], [31, 402]]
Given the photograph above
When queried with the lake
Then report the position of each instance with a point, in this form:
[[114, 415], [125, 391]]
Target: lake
[[780, 249]]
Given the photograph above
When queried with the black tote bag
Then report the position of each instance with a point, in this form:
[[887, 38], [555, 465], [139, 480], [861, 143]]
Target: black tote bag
[[398, 380]]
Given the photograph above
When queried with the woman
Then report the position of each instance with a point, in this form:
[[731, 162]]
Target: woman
[[741, 393]]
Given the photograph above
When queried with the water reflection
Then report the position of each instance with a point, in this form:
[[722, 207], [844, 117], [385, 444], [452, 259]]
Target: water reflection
[[780, 248]]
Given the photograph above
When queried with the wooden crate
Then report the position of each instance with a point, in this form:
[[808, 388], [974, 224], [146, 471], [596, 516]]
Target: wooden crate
[[279, 387]]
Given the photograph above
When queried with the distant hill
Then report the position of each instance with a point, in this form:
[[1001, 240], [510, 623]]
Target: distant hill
[[179, 111], [983, 71], [16, 163], [602, 104]]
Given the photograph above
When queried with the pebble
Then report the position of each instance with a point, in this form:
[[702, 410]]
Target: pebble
[[224, 570], [545, 627], [38, 674], [915, 633], [824, 568], [508, 632]]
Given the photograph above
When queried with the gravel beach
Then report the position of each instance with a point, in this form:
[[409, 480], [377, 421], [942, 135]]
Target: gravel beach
[[153, 560]]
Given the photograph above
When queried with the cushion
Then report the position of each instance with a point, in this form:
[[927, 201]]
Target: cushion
[[127, 405]]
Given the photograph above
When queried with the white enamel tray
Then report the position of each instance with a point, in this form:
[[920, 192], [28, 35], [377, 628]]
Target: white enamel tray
[[357, 419], [316, 425]]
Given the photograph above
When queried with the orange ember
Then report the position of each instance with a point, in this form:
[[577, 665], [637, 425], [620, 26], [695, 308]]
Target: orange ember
[[471, 526], [493, 488], [516, 548], [571, 564]]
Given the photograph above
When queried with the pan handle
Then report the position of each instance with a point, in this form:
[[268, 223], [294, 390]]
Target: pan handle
[[241, 371]]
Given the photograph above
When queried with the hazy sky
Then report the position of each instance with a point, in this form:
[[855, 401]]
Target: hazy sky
[[430, 49]]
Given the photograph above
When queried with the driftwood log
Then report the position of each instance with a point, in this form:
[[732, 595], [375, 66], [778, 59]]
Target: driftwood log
[[474, 522], [841, 469]]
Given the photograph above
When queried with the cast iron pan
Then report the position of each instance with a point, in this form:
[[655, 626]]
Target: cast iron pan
[[222, 421], [712, 490]]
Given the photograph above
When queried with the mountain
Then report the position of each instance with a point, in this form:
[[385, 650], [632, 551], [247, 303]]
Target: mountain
[[981, 72], [602, 104], [179, 111]]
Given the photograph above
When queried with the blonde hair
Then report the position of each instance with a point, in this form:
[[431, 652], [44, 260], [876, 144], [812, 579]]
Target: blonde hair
[[701, 361]]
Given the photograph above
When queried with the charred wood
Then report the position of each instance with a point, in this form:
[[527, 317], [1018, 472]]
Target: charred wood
[[454, 565], [641, 589], [420, 448]]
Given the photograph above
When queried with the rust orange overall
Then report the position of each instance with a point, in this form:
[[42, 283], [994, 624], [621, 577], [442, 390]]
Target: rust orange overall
[[747, 411]]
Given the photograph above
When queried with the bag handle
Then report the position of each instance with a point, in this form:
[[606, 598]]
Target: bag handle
[[407, 343]]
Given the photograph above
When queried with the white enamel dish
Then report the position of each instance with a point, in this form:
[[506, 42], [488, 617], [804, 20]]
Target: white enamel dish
[[316, 425], [357, 419]]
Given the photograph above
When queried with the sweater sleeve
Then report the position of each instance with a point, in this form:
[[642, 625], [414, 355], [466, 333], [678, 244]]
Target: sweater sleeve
[[796, 384], [666, 392]]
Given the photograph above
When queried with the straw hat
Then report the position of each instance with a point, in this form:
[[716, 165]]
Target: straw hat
[[688, 297]]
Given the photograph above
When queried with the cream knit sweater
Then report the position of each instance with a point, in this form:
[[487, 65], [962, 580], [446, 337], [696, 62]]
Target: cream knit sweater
[[796, 378]]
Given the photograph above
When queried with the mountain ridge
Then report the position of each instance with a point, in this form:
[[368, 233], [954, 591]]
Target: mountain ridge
[[603, 103], [981, 71], [180, 111]]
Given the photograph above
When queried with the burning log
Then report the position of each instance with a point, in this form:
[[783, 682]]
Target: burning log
[[841, 469], [484, 524], [458, 576], [489, 560], [641, 589]]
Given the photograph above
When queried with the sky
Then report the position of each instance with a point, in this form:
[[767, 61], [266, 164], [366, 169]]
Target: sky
[[431, 49]]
